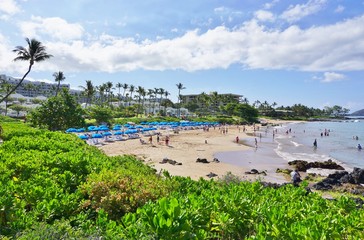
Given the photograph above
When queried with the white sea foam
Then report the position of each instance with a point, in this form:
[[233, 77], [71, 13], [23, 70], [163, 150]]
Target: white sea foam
[[296, 144]]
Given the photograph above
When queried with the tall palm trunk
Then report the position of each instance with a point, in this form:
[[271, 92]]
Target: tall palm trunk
[[20, 82]]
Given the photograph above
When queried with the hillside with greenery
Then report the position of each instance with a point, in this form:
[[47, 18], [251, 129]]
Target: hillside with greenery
[[358, 113], [55, 186]]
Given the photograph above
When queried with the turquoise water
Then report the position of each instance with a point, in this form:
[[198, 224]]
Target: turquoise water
[[340, 145]]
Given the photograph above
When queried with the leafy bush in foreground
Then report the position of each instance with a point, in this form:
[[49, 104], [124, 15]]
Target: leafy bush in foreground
[[245, 211], [41, 174]]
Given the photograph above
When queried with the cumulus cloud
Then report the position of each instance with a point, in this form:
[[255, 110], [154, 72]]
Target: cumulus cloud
[[296, 12], [9, 7], [264, 16], [332, 77], [251, 45], [55, 27]]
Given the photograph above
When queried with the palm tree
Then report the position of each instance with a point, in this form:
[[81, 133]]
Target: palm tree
[[215, 99], [119, 86], [257, 104], [125, 87], [156, 92], [101, 88], [58, 77], [180, 87], [108, 87], [141, 91], [205, 101], [161, 92], [245, 100], [35, 52], [150, 93], [166, 94], [89, 91], [131, 90]]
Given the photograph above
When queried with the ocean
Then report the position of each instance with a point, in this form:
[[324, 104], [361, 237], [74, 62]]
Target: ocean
[[339, 144], [294, 141]]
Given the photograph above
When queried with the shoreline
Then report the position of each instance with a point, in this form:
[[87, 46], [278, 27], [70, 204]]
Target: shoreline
[[185, 147]]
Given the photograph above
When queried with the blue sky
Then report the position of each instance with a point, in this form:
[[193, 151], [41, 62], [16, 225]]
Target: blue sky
[[284, 51]]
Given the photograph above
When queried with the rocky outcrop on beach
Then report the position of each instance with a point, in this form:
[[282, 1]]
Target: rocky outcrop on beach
[[255, 171], [304, 165], [211, 175], [204, 160], [170, 161], [338, 179]]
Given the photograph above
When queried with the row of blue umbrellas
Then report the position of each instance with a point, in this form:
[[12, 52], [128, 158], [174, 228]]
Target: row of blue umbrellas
[[131, 128]]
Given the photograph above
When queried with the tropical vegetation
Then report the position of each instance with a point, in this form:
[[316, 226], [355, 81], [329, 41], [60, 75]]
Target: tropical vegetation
[[55, 186]]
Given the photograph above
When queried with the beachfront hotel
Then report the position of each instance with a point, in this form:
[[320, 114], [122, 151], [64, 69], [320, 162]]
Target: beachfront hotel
[[33, 88], [194, 98]]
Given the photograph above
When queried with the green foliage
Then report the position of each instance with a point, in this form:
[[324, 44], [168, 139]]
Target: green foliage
[[44, 177], [244, 211], [244, 111], [58, 113], [101, 114]]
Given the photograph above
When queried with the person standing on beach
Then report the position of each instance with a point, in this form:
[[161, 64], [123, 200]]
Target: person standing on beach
[[295, 177], [237, 139], [256, 143], [167, 140]]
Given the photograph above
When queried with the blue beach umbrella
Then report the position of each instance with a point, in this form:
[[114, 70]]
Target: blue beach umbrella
[[103, 128], [81, 129], [83, 137], [116, 128], [71, 130], [92, 128], [96, 135], [118, 133], [106, 133]]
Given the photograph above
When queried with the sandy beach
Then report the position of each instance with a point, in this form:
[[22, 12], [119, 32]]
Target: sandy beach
[[188, 145]]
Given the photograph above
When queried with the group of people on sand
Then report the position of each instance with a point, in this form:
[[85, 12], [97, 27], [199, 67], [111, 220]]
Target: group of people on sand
[[150, 139]]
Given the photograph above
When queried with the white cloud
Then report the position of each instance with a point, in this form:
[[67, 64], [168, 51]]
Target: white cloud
[[264, 16], [55, 27], [299, 11], [9, 7], [251, 45], [271, 4], [339, 9], [332, 77]]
